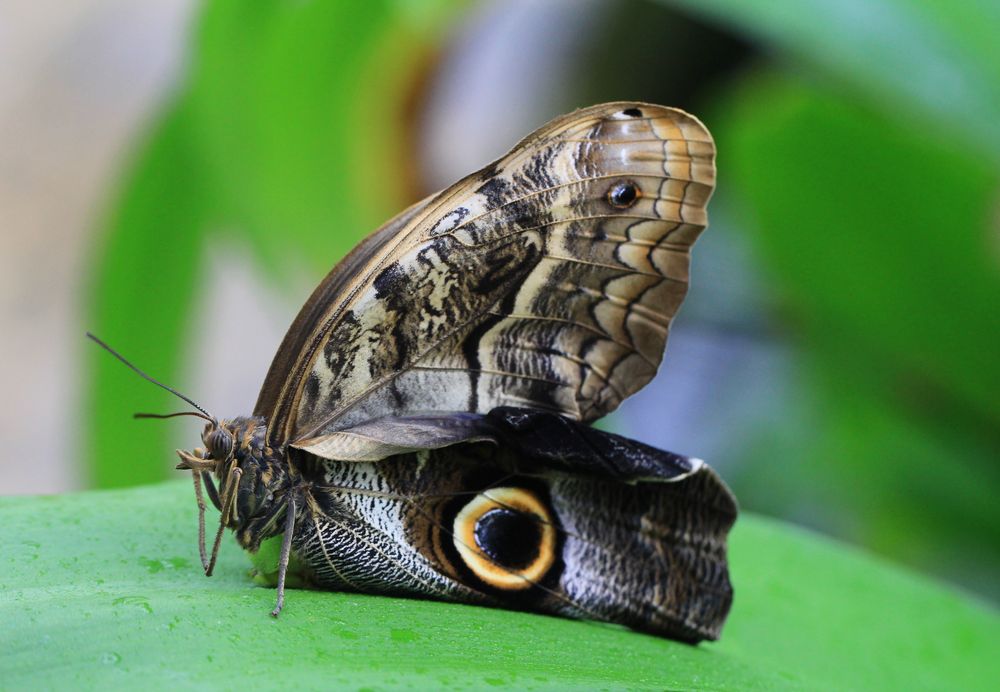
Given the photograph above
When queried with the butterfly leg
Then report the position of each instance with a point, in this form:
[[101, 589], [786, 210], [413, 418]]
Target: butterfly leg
[[228, 500], [286, 551], [196, 475]]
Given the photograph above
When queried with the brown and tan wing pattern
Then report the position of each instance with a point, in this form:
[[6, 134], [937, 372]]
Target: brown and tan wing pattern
[[547, 280], [303, 330]]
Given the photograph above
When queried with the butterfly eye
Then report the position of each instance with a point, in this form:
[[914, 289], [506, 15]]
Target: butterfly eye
[[219, 443], [507, 537], [623, 195]]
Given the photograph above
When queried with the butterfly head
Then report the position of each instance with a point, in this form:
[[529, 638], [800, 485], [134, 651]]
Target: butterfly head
[[252, 480], [219, 440], [244, 477]]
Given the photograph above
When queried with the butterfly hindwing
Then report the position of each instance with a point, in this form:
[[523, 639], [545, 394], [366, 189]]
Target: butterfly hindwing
[[566, 520]]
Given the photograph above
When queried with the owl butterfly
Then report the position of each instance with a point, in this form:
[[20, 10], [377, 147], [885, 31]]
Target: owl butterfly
[[423, 431]]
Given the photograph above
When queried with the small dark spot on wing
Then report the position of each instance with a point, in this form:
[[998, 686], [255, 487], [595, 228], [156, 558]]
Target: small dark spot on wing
[[496, 192], [623, 195], [388, 282]]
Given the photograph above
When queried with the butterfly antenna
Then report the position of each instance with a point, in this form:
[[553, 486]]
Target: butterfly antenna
[[146, 377], [173, 415]]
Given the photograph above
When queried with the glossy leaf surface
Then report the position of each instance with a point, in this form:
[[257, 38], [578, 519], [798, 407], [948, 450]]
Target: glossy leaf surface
[[104, 588]]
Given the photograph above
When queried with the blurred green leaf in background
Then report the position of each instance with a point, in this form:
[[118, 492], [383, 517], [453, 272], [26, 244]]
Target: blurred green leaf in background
[[290, 134], [859, 169]]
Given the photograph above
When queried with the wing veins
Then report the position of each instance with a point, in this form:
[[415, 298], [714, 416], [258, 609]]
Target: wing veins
[[573, 323], [582, 362], [574, 219], [554, 188], [618, 268], [625, 303], [490, 371]]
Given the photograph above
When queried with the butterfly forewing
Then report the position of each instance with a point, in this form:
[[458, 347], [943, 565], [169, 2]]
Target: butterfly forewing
[[547, 280]]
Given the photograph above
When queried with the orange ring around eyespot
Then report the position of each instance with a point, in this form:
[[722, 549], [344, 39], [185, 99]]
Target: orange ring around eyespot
[[481, 565]]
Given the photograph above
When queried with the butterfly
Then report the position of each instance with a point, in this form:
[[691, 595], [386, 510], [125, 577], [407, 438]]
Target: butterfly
[[423, 430]]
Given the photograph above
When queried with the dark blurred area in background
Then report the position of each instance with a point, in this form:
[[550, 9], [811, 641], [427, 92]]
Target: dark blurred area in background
[[836, 358]]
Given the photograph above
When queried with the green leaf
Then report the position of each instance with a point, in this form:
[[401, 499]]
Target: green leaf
[[104, 588], [302, 112], [291, 135], [871, 234], [935, 60], [144, 279], [878, 249]]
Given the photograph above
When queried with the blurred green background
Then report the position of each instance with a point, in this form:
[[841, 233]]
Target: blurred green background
[[837, 357]]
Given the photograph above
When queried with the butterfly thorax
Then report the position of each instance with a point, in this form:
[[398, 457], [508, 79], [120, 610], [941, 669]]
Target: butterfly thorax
[[253, 478]]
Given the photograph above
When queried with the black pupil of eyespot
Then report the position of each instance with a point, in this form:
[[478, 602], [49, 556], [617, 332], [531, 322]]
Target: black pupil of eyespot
[[509, 538], [632, 112], [623, 194]]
